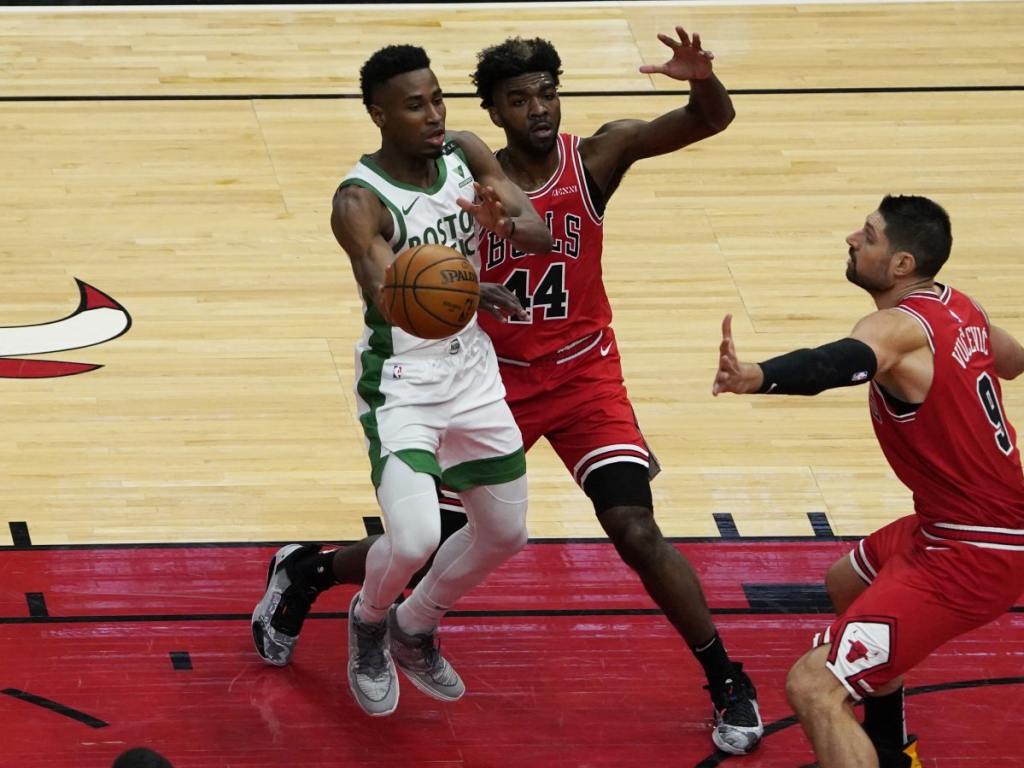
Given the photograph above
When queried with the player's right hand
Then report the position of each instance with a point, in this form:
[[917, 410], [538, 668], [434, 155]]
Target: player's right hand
[[501, 302]]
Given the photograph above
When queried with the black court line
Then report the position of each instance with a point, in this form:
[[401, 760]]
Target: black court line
[[780, 725], [181, 660], [19, 534], [54, 706], [789, 598], [373, 526], [820, 525], [773, 609], [345, 542], [726, 525], [36, 605], [58, 98]]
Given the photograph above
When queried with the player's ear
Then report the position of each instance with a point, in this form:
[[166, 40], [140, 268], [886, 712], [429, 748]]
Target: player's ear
[[905, 263], [495, 117], [377, 115]]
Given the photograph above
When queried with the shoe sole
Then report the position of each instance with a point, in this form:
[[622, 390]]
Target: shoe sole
[[257, 627], [730, 749], [431, 692]]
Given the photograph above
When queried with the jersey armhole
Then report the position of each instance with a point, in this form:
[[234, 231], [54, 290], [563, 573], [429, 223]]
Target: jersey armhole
[[397, 220], [594, 190]]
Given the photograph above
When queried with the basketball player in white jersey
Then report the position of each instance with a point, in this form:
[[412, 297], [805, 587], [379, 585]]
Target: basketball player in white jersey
[[432, 410]]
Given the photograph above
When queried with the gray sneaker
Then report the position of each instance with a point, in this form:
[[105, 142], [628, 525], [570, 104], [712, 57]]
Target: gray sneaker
[[278, 616], [371, 672], [419, 657]]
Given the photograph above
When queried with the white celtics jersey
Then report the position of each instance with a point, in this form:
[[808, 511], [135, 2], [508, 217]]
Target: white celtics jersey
[[419, 215]]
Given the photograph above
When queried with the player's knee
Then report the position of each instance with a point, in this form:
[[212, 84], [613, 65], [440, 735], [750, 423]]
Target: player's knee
[[412, 549], [810, 687], [800, 686], [511, 540], [634, 533], [620, 484]]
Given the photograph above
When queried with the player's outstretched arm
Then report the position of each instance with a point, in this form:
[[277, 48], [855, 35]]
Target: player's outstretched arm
[[870, 349], [1008, 353], [617, 145], [501, 206], [356, 215]]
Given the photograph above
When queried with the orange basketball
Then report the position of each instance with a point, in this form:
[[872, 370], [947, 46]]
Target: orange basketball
[[431, 291]]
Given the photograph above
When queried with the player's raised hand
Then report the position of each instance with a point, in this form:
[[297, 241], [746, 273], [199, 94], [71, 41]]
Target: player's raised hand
[[689, 61], [501, 302], [488, 211], [734, 376]]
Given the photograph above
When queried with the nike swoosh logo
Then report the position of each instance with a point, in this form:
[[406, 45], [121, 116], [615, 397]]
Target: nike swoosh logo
[[98, 318], [606, 350], [406, 210]]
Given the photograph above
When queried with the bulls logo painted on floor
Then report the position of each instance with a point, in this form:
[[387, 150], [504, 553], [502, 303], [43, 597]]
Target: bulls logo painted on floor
[[98, 319]]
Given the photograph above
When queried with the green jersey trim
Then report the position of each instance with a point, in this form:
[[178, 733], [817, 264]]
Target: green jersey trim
[[442, 176], [399, 218]]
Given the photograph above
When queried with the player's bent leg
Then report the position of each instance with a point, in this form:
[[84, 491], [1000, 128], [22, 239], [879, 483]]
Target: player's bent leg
[[622, 499], [495, 531], [408, 501], [824, 708]]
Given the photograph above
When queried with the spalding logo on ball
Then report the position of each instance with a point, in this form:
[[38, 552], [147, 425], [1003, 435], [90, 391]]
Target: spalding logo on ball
[[431, 291]]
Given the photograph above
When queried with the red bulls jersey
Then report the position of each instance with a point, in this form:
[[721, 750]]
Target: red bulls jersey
[[562, 290], [957, 451]]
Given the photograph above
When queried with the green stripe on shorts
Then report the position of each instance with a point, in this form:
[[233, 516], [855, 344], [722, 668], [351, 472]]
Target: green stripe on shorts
[[418, 459], [493, 471], [368, 385]]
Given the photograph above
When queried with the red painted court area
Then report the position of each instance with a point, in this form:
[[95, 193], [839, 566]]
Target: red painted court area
[[566, 662]]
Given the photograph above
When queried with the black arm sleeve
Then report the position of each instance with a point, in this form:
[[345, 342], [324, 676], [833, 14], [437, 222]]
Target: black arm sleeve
[[842, 363]]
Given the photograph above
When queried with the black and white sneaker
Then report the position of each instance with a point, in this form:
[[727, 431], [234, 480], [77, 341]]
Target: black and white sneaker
[[738, 728], [277, 618]]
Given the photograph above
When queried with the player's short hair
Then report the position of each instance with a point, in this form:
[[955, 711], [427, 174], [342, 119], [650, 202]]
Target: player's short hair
[[512, 58], [388, 62], [140, 757], [919, 226]]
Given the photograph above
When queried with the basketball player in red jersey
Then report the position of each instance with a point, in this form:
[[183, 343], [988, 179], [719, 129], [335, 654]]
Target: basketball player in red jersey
[[934, 362], [555, 346]]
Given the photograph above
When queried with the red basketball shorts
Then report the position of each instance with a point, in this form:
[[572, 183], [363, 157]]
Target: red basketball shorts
[[921, 593], [577, 400]]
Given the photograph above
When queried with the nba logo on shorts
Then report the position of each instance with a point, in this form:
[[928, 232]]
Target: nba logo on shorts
[[396, 372]]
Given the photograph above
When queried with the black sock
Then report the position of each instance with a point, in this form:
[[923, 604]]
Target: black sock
[[715, 660], [314, 572], [883, 720], [323, 571]]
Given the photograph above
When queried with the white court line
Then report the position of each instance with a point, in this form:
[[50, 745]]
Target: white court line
[[382, 7]]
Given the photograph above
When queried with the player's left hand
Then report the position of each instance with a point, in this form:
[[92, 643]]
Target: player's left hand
[[734, 375], [689, 61], [501, 302], [488, 211]]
